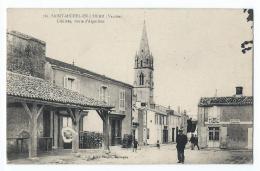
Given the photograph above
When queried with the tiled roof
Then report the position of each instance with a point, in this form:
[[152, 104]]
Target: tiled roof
[[226, 101], [39, 89], [82, 70]]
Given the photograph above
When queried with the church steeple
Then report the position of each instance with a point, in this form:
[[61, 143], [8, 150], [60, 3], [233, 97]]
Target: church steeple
[[143, 58], [144, 46], [143, 83]]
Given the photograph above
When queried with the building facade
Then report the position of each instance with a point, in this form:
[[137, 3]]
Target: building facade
[[45, 95], [226, 122], [175, 122], [96, 86]]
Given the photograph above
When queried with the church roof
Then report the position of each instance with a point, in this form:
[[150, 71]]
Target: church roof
[[144, 46], [29, 87], [226, 101]]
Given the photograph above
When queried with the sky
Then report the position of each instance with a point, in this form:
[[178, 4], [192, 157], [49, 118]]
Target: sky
[[196, 52]]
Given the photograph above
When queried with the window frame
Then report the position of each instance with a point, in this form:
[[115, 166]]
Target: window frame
[[122, 100]]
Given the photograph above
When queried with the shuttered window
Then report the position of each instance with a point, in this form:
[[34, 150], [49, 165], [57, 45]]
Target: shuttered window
[[72, 83], [122, 100]]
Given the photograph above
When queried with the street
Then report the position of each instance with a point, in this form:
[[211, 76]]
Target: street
[[167, 154]]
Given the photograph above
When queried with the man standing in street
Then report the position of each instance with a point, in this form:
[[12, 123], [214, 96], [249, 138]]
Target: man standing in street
[[181, 142]]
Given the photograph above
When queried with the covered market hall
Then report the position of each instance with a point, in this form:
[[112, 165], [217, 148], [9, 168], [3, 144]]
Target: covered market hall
[[35, 112]]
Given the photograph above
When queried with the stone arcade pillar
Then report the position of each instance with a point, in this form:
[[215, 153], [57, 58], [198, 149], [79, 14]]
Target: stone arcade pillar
[[33, 113]]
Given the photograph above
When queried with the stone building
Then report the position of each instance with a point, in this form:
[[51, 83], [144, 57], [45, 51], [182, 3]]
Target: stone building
[[45, 95], [226, 122], [113, 92]]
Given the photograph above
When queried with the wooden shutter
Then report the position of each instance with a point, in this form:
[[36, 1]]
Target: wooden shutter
[[78, 85], [65, 81]]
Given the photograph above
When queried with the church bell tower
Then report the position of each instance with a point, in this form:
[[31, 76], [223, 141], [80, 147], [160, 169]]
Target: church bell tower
[[143, 81]]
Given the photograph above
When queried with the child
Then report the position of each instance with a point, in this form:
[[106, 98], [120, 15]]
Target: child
[[158, 144], [135, 145]]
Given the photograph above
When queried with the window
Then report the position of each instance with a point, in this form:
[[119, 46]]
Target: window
[[122, 100], [67, 122], [213, 133], [141, 79], [71, 83], [103, 94]]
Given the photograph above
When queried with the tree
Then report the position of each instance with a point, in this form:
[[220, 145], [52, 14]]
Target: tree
[[248, 45]]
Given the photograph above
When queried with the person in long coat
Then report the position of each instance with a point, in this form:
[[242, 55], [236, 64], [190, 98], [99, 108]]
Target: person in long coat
[[181, 143]]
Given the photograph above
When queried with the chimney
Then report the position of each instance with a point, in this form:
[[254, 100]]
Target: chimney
[[239, 91]]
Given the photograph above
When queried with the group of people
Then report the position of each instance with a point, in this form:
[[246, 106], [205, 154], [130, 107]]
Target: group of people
[[181, 141]]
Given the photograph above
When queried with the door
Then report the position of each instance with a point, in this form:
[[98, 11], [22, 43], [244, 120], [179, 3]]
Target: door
[[115, 132], [173, 129], [213, 140], [165, 136]]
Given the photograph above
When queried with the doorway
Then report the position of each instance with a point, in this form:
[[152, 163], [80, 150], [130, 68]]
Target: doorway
[[165, 136], [213, 138], [116, 125], [173, 129]]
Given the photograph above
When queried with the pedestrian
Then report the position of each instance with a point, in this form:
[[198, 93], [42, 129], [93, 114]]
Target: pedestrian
[[192, 141], [181, 142], [158, 144], [196, 142], [135, 145]]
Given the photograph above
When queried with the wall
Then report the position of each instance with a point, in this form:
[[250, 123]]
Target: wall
[[153, 130], [141, 127], [237, 136], [243, 113], [18, 122], [25, 54], [173, 122]]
